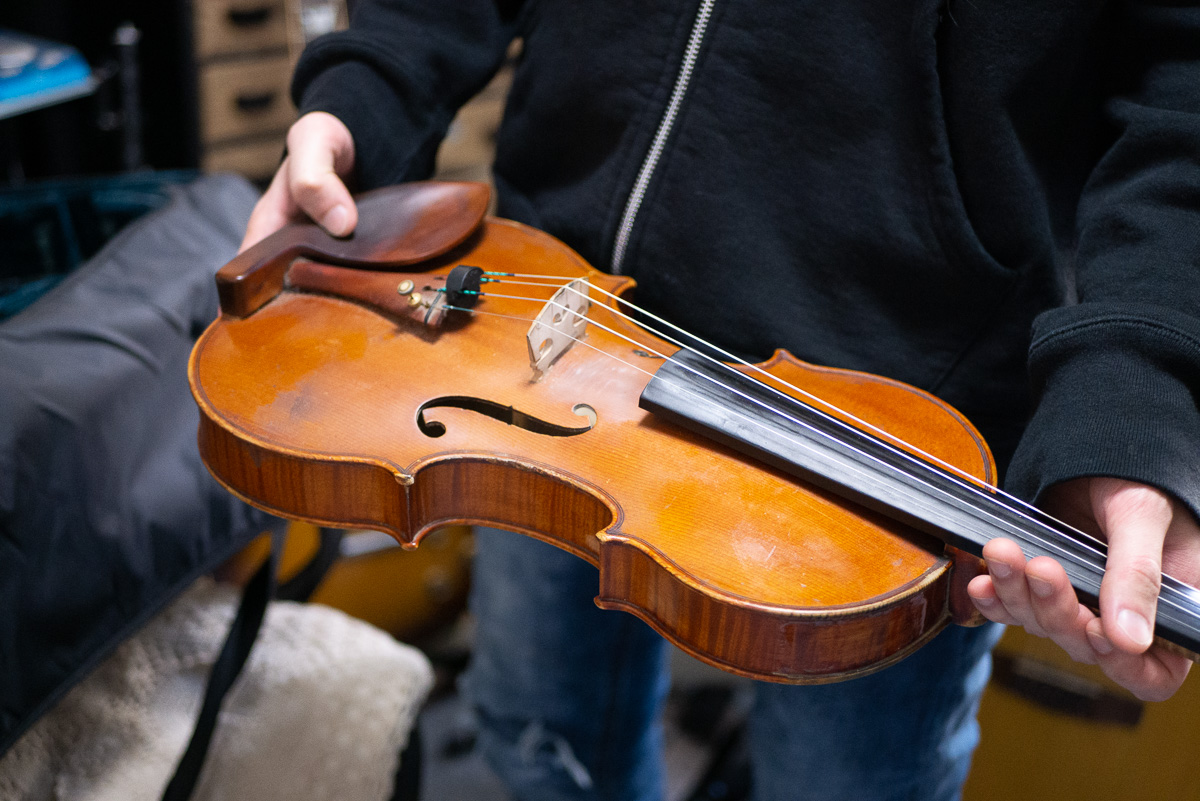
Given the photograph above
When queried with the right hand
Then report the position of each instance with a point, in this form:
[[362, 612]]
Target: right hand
[[1147, 531], [311, 181]]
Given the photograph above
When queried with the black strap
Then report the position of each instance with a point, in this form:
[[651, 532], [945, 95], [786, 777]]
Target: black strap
[[225, 671], [301, 586]]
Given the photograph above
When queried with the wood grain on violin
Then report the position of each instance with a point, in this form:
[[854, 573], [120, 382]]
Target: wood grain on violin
[[402, 389]]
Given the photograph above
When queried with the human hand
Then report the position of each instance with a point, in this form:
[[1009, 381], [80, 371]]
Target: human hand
[[310, 182], [1148, 533]]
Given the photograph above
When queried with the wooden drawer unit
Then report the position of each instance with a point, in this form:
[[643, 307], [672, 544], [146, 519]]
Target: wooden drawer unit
[[244, 52], [244, 98], [233, 27], [259, 158]]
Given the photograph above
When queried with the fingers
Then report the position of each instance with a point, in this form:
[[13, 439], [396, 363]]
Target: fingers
[[1036, 595], [1152, 676], [1057, 610], [1146, 530], [309, 183], [320, 152], [1135, 519], [995, 594]]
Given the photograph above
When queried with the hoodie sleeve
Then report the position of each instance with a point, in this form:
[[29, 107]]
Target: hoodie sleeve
[[397, 76], [1117, 376]]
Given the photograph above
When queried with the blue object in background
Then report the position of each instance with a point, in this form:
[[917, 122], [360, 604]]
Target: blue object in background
[[35, 73]]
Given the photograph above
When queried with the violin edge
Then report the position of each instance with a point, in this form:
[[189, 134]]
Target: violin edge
[[795, 646], [785, 646]]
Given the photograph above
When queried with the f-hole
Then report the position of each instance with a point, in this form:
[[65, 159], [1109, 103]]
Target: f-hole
[[505, 414]]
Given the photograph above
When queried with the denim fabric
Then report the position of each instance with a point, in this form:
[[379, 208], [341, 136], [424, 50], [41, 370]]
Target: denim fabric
[[907, 732], [569, 699], [568, 696]]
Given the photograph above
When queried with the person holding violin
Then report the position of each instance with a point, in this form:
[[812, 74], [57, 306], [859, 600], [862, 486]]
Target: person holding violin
[[951, 194]]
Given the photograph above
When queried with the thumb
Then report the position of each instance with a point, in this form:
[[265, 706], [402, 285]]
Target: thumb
[[320, 153], [1135, 519]]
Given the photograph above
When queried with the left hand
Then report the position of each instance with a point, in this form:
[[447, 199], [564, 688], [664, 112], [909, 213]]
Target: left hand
[[1148, 533], [310, 184]]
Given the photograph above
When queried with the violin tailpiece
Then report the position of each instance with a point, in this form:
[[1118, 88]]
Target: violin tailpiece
[[397, 226]]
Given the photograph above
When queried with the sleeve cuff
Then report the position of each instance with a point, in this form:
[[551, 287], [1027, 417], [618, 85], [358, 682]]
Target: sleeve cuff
[[393, 141], [1117, 391]]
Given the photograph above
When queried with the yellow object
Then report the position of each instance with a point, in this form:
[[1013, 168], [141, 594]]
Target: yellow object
[[1100, 742], [406, 593]]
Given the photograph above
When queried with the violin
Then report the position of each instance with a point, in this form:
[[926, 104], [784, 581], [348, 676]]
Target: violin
[[783, 521]]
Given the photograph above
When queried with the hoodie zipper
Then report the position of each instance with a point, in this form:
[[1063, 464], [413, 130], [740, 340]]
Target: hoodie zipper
[[634, 203]]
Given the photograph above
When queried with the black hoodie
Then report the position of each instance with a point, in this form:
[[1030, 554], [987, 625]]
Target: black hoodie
[[928, 190]]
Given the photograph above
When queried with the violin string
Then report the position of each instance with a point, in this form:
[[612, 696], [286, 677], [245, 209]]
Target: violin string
[[532, 283], [972, 479], [814, 398], [970, 486], [885, 467], [830, 407], [1165, 600], [1016, 505]]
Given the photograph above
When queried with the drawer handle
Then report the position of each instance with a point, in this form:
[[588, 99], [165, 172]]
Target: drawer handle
[[249, 17], [256, 102]]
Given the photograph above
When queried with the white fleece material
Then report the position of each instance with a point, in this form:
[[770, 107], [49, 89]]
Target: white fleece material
[[322, 710]]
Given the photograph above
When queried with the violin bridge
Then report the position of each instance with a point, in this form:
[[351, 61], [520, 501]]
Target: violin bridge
[[560, 322]]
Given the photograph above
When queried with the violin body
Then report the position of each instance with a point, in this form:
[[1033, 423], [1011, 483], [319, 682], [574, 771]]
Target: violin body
[[327, 395]]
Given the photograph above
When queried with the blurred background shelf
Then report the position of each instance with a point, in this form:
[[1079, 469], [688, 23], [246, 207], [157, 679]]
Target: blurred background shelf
[[214, 88]]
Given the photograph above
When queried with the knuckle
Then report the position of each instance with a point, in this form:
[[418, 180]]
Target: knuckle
[[1056, 618], [1078, 652], [1143, 574], [1144, 498], [997, 616]]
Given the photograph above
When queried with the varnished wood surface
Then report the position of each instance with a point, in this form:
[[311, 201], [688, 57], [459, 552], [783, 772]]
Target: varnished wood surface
[[397, 226], [309, 408]]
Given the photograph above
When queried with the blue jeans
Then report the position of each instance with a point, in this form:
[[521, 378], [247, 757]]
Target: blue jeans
[[569, 699]]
